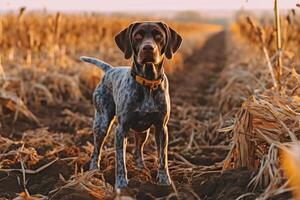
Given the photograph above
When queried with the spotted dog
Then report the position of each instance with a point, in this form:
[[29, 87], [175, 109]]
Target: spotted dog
[[137, 96]]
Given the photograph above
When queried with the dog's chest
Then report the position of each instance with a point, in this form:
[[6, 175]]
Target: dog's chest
[[147, 111], [148, 103], [142, 121]]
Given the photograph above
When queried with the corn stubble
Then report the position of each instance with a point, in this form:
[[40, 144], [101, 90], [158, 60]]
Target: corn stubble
[[267, 123]]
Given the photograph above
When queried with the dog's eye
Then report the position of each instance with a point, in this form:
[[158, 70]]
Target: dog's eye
[[138, 36], [158, 37]]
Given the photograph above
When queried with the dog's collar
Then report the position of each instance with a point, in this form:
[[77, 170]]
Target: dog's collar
[[152, 84]]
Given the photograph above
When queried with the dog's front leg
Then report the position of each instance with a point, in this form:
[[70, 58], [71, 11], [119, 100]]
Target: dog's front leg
[[161, 137], [120, 144], [140, 140]]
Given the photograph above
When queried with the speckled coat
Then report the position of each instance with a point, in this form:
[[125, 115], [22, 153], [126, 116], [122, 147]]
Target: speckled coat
[[136, 108]]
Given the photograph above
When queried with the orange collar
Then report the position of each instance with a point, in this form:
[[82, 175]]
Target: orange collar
[[152, 84]]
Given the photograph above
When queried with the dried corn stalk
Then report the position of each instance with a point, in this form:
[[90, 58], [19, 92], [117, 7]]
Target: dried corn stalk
[[263, 124], [16, 105]]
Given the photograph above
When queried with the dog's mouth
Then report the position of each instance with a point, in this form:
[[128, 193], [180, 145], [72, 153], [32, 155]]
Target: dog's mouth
[[148, 57]]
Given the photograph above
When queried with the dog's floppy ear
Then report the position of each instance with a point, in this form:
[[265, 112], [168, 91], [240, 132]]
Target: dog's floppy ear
[[173, 40], [123, 40]]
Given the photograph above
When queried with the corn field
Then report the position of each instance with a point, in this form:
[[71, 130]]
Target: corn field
[[235, 106]]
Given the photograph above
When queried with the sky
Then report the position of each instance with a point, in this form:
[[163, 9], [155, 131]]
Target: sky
[[146, 5]]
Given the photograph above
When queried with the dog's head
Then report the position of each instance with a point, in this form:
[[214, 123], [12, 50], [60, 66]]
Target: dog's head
[[148, 41]]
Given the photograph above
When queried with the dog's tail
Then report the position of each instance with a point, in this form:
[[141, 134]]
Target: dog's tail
[[99, 63]]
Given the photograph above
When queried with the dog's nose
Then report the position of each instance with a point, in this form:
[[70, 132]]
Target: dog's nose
[[148, 47]]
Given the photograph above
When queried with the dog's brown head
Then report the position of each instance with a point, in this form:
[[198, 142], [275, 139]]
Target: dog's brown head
[[148, 41]]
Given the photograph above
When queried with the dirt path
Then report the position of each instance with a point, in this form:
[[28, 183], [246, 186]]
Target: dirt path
[[192, 93]]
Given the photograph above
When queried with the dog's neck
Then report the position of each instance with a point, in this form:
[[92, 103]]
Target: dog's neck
[[149, 71]]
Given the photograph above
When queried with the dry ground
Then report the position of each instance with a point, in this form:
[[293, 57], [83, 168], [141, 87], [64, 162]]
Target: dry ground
[[56, 155]]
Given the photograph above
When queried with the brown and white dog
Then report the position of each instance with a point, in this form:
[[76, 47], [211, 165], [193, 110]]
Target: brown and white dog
[[137, 96]]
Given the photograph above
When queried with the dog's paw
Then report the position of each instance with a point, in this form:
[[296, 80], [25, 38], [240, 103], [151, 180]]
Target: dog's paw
[[163, 177], [121, 183]]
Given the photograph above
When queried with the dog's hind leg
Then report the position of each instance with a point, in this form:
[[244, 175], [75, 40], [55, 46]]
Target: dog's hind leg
[[140, 140], [101, 128], [120, 143]]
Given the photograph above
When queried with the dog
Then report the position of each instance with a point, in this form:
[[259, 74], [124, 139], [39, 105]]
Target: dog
[[137, 96]]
